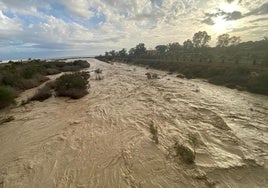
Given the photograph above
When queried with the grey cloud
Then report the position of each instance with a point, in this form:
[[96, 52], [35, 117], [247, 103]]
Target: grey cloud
[[208, 21], [227, 15], [234, 15], [257, 20], [263, 9], [253, 27], [259, 11]]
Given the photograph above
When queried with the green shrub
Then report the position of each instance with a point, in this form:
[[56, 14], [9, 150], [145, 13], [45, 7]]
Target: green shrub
[[10, 79], [72, 85], [259, 84], [7, 97], [51, 71], [81, 63], [28, 73]]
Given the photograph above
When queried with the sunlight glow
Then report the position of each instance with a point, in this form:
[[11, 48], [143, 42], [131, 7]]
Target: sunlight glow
[[221, 25]]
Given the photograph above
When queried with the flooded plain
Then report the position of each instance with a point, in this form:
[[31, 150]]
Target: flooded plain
[[104, 140]]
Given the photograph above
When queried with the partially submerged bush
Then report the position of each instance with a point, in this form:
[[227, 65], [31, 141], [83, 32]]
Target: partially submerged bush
[[24, 102], [148, 75], [43, 93], [154, 132], [6, 120], [7, 97], [151, 75], [72, 85], [185, 153], [98, 73]]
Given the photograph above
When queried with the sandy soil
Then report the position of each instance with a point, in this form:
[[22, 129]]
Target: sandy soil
[[103, 139]]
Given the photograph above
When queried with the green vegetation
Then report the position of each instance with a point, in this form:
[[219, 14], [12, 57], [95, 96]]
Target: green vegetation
[[154, 132], [259, 84], [7, 96], [72, 85], [231, 63], [16, 77]]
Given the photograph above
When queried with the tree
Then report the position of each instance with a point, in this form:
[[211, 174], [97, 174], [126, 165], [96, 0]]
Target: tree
[[188, 44], [122, 53], [131, 51], [200, 39], [223, 40], [140, 49], [234, 41], [106, 54], [173, 50], [174, 47], [112, 53], [161, 49]]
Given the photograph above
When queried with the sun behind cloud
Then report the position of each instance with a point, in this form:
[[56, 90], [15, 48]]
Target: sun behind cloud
[[222, 25]]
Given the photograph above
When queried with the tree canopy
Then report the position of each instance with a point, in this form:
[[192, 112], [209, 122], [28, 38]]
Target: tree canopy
[[200, 39]]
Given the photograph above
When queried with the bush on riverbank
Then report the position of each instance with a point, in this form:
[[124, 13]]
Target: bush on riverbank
[[7, 96], [72, 85], [20, 76], [259, 84]]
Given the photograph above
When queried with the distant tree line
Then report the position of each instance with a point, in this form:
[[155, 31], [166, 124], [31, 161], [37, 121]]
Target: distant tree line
[[229, 49]]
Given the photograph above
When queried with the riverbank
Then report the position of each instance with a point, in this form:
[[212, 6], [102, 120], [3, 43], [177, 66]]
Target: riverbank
[[240, 76], [16, 77]]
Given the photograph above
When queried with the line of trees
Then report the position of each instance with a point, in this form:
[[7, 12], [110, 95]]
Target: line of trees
[[228, 49]]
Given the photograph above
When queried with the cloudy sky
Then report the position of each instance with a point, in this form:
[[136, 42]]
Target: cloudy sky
[[57, 28]]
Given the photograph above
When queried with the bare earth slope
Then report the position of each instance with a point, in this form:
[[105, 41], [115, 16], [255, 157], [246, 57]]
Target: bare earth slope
[[103, 139]]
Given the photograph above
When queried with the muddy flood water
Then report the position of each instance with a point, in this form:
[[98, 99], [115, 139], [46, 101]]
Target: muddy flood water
[[103, 139]]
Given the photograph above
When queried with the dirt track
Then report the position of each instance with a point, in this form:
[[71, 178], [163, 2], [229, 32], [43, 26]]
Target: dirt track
[[103, 139]]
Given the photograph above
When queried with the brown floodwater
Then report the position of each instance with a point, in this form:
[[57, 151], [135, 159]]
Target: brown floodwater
[[104, 140]]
